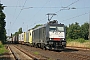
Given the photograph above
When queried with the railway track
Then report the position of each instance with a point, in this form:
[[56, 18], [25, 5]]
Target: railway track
[[20, 54], [77, 56], [67, 54]]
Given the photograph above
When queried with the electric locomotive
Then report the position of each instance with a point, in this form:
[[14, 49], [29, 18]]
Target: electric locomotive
[[50, 36]]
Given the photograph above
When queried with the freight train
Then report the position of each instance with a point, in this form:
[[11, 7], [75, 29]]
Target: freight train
[[50, 36]]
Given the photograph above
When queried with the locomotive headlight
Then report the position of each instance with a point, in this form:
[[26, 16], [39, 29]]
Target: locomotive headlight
[[50, 39], [63, 39]]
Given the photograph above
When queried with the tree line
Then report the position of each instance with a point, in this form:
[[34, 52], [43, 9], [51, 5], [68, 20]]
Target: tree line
[[75, 31]]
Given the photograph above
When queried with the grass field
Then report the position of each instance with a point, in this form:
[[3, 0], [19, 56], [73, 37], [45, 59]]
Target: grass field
[[2, 49], [78, 43]]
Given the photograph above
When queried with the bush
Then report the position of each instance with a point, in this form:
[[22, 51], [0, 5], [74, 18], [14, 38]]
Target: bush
[[1, 45], [81, 40], [69, 40], [2, 49]]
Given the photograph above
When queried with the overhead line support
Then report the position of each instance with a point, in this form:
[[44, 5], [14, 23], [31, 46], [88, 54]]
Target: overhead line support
[[51, 16]]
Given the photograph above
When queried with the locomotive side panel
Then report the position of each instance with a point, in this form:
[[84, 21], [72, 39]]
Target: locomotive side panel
[[36, 36], [41, 35], [44, 35]]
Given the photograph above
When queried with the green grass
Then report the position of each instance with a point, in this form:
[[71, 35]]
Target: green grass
[[80, 40], [36, 53], [2, 49]]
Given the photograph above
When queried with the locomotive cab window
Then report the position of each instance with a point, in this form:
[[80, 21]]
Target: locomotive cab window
[[60, 28], [52, 28], [56, 28]]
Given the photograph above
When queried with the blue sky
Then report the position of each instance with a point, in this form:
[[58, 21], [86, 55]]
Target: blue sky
[[18, 16]]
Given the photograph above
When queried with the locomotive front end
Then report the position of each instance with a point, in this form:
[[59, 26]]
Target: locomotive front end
[[57, 35]]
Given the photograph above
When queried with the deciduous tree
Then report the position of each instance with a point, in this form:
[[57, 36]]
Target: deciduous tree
[[2, 25]]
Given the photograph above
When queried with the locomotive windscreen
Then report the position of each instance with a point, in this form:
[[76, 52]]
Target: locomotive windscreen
[[60, 28], [52, 28], [56, 28]]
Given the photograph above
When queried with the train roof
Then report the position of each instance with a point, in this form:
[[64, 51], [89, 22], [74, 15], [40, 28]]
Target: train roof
[[39, 27], [54, 22], [44, 25]]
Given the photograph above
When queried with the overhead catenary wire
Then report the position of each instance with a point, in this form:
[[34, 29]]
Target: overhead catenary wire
[[40, 7], [82, 7], [48, 7], [63, 9], [39, 21], [31, 7], [13, 17], [38, 11], [14, 12], [20, 10], [52, 7], [14, 6], [67, 6], [18, 14], [73, 3], [76, 16]]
